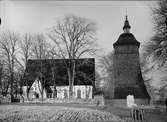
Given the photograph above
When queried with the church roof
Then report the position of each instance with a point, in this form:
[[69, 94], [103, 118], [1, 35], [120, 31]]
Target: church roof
[[126, 39], [85, 72]]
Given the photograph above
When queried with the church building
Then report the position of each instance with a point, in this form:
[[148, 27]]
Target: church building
[[51, 75], [128, 79]]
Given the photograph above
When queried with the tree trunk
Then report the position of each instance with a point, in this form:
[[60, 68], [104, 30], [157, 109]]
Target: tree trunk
[[71, 76], [42, 88], [55, 91], [6, 89], [27, 92], [41, 80], [12, 78], [73, 72], [11, 87], [70, 83]]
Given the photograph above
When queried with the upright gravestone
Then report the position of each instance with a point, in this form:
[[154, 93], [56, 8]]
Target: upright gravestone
[[130, 101]]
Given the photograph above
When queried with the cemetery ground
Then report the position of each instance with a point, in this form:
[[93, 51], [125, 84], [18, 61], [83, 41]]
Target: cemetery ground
[[70, 112]]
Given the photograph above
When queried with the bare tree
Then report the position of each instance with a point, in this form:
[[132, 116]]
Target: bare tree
[[26, 45], [1, 68], [9, 48], [74, 36], [97, 81], [41, 50], [157, 46], [4, 78], [154, 53], [26, 53], [106, 66]]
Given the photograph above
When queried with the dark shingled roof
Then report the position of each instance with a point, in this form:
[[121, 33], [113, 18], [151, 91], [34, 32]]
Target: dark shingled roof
[[126, 24], [126, 39], [85, 72]]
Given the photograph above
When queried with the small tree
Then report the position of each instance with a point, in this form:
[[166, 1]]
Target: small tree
[[26, 53], [9, 50], [41, 50], [74, 36], [155, 50], [106, 66], [25, 46], [157, 46]]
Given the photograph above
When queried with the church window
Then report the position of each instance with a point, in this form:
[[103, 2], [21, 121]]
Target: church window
[[65, 93], [79, 94]]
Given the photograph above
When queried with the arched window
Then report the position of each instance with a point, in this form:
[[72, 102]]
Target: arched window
[[65, 93], [79, 94]]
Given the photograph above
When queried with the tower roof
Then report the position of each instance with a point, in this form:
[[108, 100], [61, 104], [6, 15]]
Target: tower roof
[[126, 38], [126, 24]]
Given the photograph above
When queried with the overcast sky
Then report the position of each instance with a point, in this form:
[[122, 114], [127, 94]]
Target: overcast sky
[[39, 16]]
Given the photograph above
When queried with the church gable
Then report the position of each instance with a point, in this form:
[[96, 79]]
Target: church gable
[[35, 90]]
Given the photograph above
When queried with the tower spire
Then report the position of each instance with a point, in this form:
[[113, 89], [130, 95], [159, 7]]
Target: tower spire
[[126, 26]]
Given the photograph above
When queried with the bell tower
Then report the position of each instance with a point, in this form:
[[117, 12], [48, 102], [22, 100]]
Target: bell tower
[[127, 73]]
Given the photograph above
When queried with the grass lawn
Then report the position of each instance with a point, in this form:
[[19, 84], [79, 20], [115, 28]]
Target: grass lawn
[[53, 113], [70, 112], [125, 114]]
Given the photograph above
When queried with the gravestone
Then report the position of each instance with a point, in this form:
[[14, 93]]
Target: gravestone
[[130, 101], [99, 100]]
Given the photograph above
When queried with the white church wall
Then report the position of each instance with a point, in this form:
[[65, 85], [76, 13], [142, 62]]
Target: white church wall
[[24, 88], [35, 88], [61, 91], [86, 91], [89, 91]]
